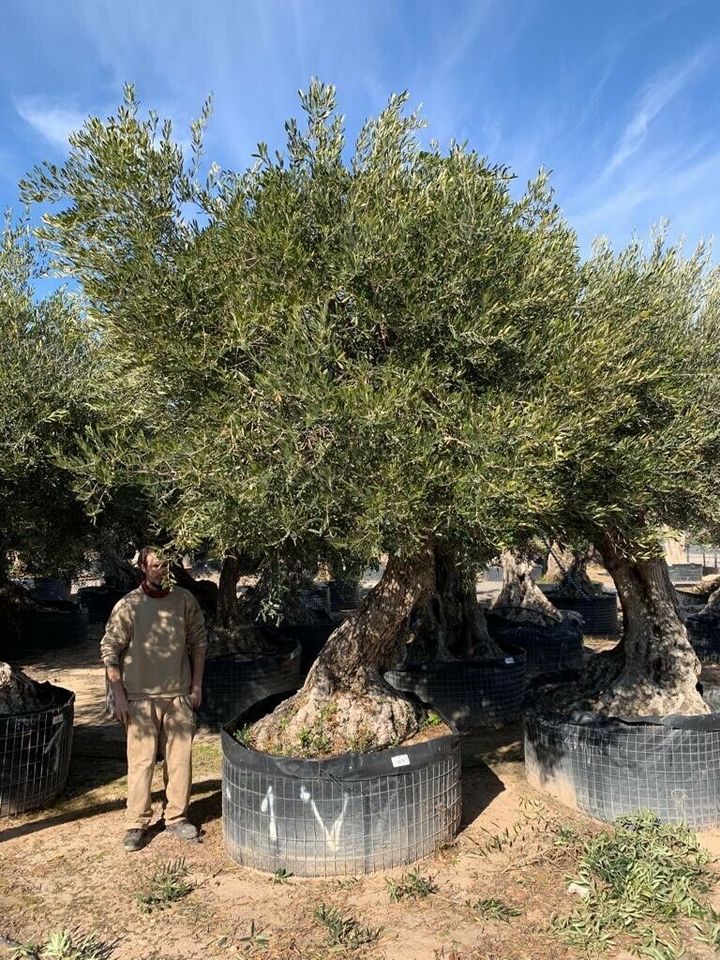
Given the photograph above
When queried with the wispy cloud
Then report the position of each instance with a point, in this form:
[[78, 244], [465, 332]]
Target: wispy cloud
[[661, 90], [51, 121]]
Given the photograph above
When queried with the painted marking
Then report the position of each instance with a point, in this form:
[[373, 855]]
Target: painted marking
[[400, 760], [268, 804], [332, 837], [57, 719], [509, 660]]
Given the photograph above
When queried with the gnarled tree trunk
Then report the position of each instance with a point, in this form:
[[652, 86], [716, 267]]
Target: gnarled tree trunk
[[119, 574], [568, 568], [235, 628], [657, 668], [345, 703], [521, 599], [449, 624]]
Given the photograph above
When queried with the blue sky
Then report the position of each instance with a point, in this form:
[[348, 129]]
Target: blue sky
[[621, 100]]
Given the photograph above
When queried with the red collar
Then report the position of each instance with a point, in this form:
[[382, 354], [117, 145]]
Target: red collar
[[152, 592]]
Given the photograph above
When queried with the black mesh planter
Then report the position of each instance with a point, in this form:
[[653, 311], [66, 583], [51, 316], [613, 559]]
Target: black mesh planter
[[599, 613], [548, 650], [685, 572], [353, 814], [99, 602], [344, 595], [312, 638], [704, 634], [35, 752], [689, 601], [231, 684], [472, 693], [608, 767], [29, 632]]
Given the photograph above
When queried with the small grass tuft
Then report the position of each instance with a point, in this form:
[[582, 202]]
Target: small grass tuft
[[432, 719], [243, 735], [281, 875], [641, 879], [344, 930], [168, 884], [494, 909], [411, 886]]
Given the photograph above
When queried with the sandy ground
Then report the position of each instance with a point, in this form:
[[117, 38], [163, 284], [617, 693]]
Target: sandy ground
[[64, 866]]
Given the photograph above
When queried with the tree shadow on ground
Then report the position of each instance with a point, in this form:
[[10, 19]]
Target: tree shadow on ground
[[106, 806]]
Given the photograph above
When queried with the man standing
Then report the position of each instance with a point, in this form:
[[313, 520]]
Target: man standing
[[154, 654]]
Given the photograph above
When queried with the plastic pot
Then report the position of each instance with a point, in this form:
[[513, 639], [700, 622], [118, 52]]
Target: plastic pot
[[231, 684], [599, 613], [349, 815], [607, 768], [548, 651], [471, 693], [35, 752]]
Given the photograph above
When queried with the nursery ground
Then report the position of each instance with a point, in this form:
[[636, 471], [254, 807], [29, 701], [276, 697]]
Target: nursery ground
[[64, 867]]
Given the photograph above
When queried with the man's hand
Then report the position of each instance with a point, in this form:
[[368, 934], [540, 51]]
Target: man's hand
[[121, 703], [195, 695]]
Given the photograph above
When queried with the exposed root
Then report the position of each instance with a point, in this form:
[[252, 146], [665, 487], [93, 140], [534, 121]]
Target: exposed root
[[609, 689], [316, 724]]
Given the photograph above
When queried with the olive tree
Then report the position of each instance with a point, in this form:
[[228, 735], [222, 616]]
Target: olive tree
[[320, 361], [43, 366], [633, 419]]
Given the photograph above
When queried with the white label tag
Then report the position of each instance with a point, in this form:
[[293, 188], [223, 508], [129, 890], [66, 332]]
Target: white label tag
[[509, 660], [401, 760], [57, 719]]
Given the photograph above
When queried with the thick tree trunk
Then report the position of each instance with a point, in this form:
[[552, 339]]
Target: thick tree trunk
[[235, 629], [118, 573], [346, 704], [658, 668], [449, 624], [520, 598], [204, 591], [558, 563], [568, 568]]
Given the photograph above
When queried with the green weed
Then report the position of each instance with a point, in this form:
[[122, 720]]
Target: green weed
[[344, 930], [411, 886], [166, 885], [281, 875], [494, 909], [64, 945]]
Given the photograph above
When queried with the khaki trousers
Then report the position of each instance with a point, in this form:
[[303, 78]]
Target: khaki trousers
[[170, 722]]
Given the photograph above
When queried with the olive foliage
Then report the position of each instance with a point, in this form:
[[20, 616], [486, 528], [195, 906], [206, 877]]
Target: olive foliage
[[324, 352]]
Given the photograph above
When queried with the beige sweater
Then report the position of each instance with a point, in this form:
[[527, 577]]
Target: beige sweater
[[152, 640]]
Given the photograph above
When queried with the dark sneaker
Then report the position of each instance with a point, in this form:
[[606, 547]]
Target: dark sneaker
[[134, 840], [183, 831]]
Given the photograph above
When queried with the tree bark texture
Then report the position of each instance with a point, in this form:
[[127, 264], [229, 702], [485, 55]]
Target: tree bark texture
[[568, 568], [658, 668], [345, 704], [449, 624], [118, 573], [520, 598]]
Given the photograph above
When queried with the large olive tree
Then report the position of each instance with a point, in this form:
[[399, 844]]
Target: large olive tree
[[321, 360]]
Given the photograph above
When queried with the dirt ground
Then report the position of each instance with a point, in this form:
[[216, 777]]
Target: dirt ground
[[64, 866]]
